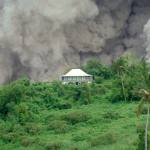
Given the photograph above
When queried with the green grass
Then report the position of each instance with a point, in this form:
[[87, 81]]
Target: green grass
[[106, 126]]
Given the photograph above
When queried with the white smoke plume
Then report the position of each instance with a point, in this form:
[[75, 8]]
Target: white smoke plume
[[33, 31]]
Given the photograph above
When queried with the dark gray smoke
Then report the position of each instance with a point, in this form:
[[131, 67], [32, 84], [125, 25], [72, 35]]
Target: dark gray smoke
[[41, 39]]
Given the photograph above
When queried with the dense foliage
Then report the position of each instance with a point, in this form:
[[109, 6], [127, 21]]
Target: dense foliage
[[29, 110]]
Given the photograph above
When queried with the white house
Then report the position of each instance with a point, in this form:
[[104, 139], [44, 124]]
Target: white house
[[76, 76]]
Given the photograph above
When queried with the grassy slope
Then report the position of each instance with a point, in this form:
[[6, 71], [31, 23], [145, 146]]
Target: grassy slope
[[100, 125], [100, 132]]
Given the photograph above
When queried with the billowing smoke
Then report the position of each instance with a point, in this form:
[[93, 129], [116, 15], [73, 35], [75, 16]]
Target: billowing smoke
[[41, 39], [33, 31]]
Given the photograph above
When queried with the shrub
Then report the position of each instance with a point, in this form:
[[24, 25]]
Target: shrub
[[80, 93], [59, 126], [141, 136], [49, 118], [53, 146], [85, 94], [63, 105], [18, 129], [143, 110], [77, 146], [6, 127], [76, 117], [43, 94], [9, 137], [115, 95], [23, 114], [58, 88], [128, 80], [79, 137], [98, 89], [27, 141], [140, 128], [33, 128], [96, 68], [12, 94], [111, 115], [131, 93], [104, 139]]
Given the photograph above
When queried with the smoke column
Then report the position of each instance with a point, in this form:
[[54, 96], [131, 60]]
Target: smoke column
[[43, 38], [32, 35]]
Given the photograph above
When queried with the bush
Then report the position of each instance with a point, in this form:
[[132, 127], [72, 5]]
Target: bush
[[131, 93], [127, 80], [141, 136], [12, 94], [59, 126], [23, 114], [18, 129], [111, 115], [9, 137], [140, 128], [99, 89], [76, 117], [33, 128], [49, 118], [143, 110], [43, 94], [79, 137], [115, 95], [58, 88], [141, 133], [104, 139], [97, 69], [27, 141], [6, 127], [80, 93], [53, 146], [63, 105], [85, 95]]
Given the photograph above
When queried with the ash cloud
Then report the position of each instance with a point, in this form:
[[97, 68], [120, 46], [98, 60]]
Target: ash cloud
[[34, 32], [41, 39]]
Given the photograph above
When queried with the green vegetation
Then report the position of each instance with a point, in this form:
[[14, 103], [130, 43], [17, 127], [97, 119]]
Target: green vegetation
[[97, 116]]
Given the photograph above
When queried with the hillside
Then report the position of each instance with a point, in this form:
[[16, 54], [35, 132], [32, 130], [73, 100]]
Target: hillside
[[97, 116], [108, 127]]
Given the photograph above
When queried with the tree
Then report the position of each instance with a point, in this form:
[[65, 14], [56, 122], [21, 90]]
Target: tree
[[145, 98], [85, 96], [12, 94], [120, 67], [98, 70]]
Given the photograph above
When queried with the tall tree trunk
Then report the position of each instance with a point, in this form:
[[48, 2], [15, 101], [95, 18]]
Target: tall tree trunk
[[146, 129], [123, 89]]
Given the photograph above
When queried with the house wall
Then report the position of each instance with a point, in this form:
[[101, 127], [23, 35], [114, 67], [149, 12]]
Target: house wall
[[77, 79]]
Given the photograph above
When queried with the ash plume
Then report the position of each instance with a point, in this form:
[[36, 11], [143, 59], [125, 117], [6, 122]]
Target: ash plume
[[41, 39], [34, 31]]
